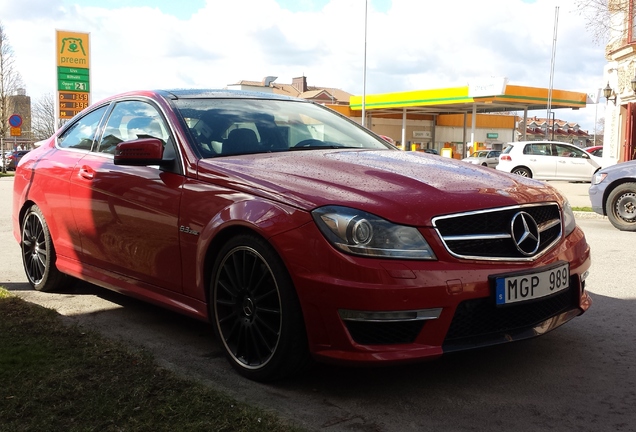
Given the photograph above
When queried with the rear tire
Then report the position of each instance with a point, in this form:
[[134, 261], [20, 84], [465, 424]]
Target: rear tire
[[621, 207], [255, 311], [38, 253], [523, 172]]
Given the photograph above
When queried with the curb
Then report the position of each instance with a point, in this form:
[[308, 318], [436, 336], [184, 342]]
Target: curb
[[588, 215]]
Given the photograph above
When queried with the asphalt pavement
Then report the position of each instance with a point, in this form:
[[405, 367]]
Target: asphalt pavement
[[575, 192]]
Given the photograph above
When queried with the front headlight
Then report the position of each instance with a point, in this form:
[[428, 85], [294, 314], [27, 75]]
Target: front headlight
[[568, 218], [598, 177], [361, 233]]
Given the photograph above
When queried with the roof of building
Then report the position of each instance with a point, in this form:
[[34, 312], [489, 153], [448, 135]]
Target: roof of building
[[302, 90]]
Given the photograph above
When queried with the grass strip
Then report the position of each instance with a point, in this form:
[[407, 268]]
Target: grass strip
[[55, 376]]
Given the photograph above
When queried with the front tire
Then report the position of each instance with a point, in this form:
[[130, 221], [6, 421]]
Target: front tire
[[255, 311], [38, 253], [621, 207]]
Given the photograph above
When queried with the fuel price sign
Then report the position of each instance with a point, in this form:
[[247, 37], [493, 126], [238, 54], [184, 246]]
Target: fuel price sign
[[71, 103]]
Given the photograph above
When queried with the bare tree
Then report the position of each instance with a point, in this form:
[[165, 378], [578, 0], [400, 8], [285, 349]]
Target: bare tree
[[10, 81], [599, 132], [43, 117], [605, 18]]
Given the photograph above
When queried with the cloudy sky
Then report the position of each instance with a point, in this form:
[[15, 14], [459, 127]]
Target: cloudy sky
[[410, 44]]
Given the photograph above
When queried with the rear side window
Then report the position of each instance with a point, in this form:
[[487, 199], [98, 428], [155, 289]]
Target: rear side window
[[82, 133], [538, 149]]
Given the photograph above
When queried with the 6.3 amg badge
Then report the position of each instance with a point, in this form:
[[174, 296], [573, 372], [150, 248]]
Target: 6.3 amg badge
[[188, 230]]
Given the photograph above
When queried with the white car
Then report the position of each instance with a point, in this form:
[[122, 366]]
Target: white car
[[489, 158], [548, 160]]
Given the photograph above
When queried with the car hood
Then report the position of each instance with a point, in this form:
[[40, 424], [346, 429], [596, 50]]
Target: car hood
[[404, 187], [626, 169]]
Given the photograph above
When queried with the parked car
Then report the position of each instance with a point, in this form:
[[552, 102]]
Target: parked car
[[12, 159], [489, 158], [595, 151], [613, 194], [295, 232], [548, 160]]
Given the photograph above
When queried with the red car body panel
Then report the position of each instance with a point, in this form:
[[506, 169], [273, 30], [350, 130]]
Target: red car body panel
[[159, 231], [293, 177], [328, 281]]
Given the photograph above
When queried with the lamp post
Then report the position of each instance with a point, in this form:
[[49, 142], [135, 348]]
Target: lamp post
[[553, 125], [364, 68]]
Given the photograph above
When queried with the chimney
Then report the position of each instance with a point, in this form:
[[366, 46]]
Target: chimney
[[300, 84]]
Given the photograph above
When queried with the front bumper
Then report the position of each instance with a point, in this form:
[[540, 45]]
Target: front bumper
[[454, 296], [596, 193]]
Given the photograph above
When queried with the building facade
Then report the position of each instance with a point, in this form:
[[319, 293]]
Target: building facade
[[620, 76]]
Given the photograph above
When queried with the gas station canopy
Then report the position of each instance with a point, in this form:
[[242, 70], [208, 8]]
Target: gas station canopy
[[491, 97]]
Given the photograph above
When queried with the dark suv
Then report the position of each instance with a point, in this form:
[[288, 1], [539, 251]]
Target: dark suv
[[13, 158]]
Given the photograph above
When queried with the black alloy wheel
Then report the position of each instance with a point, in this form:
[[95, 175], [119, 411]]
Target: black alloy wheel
[[38, 253], [256, 312]]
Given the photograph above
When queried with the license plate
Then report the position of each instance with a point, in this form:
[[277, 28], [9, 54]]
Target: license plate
[[528, 286]]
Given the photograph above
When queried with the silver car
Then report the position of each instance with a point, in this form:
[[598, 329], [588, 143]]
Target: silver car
[[489, 158], [548, 160], [613, 194]]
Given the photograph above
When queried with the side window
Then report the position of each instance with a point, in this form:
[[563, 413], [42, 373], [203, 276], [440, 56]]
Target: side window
[[82, 133], [537, 149], [131, 120], [564, 151]]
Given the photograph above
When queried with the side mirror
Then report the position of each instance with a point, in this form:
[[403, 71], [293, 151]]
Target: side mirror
[[139, 152]]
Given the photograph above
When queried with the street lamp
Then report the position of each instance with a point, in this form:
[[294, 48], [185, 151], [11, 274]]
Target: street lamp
[[609, 94]]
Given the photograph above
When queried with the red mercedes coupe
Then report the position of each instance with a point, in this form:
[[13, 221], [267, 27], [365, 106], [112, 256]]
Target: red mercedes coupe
[[297, 233]]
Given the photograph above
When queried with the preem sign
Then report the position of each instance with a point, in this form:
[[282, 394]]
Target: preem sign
[[73, 77]]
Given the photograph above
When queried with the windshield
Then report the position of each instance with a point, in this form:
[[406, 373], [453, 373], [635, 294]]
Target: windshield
[[222, 127]]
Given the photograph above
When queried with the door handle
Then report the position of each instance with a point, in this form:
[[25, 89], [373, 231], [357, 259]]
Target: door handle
[[87, 172]]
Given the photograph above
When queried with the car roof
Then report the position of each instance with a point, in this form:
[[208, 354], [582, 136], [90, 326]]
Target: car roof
[[523, 143], [222, 94], [538, 142]]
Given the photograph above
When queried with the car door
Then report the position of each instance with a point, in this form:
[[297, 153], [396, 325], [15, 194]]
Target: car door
[[538, 157], [71, 146], [573, 163], [128, 216], [493, 158]]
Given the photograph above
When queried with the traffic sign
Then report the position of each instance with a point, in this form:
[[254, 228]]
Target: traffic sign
[[16, 131], [15, 121]]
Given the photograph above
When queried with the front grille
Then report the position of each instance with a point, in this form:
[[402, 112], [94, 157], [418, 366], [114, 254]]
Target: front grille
[[487, 234], [383, 333], [480, 320]]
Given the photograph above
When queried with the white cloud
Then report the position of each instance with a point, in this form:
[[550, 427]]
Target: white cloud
[[413, 45]]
